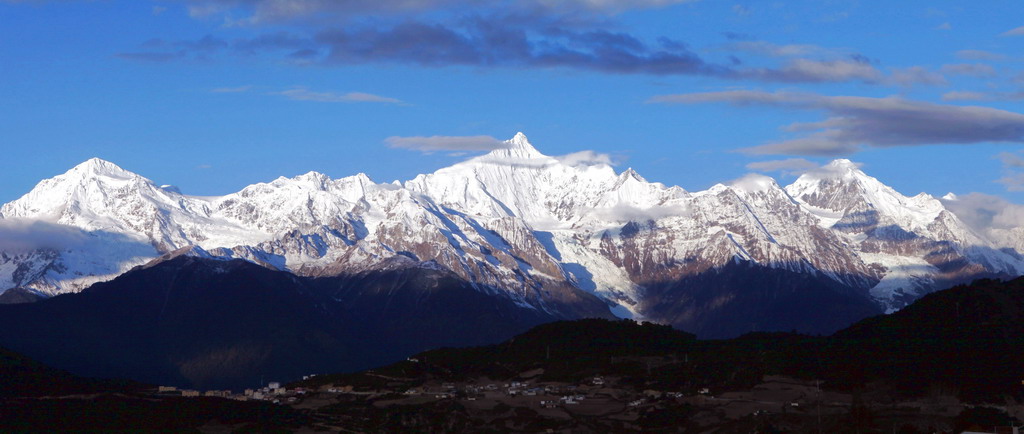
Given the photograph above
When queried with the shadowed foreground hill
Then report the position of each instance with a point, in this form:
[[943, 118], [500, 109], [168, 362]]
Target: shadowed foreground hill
[[209, 324], [968, 339], [37, 398]]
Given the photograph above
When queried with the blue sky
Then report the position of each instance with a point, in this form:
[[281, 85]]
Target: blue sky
[[213, 95]]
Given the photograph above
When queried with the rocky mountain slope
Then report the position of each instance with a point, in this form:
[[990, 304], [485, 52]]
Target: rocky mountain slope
[[546, 233]]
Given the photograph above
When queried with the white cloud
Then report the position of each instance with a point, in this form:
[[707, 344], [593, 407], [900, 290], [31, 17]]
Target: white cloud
[[586, 158], [986, 213], [21, 235], [623, 212], [303, 94], [446, 143], [753, 182]]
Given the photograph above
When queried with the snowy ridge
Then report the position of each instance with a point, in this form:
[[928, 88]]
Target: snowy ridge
[[515, 222], [913, 240]]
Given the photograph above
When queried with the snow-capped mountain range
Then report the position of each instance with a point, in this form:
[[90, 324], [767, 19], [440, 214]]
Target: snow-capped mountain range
[[513, 222]]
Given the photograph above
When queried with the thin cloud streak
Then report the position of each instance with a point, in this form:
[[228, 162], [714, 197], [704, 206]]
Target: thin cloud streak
[[817, 71], [970, 69], [258, 12], [981, 55], [446, 143], [303, 94], [1019, 31], [982, 96], [239, 89], [789, 166], [856, 122]]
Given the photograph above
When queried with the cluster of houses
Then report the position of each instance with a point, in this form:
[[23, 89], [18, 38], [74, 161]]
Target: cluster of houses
[[191, 393], [562, 395], [566, 394], [273, 391]]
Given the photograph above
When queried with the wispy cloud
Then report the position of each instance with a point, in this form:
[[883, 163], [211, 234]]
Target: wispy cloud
[[855, 122], [446, 143], [303, 94], [915, 75], [1013, 181], [971, 69], [1013, 162], [818, 71], [254, 12], [962, 95], [982, 96], [741, 10], [1011, 159], [152, 56], [789, 166], [238, 89], [1019, 31], [986, 214], [766, 48], [623, 212], [980, 55]]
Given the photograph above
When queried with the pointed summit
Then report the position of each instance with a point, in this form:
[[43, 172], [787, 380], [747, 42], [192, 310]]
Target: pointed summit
[[630, 173], [520, 141], [841, 186], [98, 167], [838, 170], [518, 147]]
